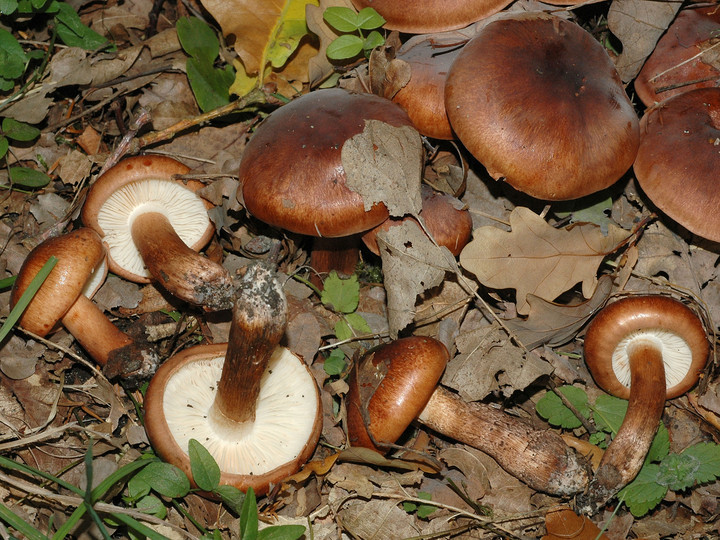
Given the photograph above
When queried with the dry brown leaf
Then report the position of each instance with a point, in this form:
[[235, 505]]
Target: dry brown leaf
[[377, 519], [384, 165], [536, 258], [319, 67], [556, 324], [412, 264], [638, 24]]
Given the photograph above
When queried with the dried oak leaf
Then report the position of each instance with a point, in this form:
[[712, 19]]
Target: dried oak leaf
[[320, 67], [377, 519], [535, 258]]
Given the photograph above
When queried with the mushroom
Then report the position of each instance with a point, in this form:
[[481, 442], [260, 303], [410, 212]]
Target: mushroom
[[292, 175], [677, 64], [153, 227], [396, 383], [254, 405], [446, 219], [646, 349], [427, 16], [678, 160], [64, 297], [537, 100]]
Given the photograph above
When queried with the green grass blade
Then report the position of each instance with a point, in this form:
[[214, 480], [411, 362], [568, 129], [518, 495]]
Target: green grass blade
[[19, 524], [138, 527]]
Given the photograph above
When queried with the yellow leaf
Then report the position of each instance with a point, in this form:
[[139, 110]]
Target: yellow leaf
[[243, 83], [535, 258]]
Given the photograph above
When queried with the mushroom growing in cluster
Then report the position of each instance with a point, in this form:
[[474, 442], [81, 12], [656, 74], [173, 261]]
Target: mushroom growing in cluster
[[396, 383], [153, 227], [646, 349], [254, 405], [64, 297], [537, 100]]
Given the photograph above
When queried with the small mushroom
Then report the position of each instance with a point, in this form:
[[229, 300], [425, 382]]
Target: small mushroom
[[537, 100], [64, 297], [646, 349], [396, 383], [154, 225], [254, 405]]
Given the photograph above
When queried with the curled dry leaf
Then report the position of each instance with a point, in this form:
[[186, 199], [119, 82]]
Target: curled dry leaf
[[378, 519], [535, 258]]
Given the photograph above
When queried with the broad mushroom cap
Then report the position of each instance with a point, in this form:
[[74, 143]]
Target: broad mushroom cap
[[283, 437], [537, 100], [144, 184], [291, 173], [669, 324], [678, 160], [427, 16], [80, 270], [677, 64]]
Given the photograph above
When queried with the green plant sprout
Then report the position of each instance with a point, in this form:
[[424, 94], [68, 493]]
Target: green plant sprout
[[353, 41], [422, 511], [662, 470], [210, 85]]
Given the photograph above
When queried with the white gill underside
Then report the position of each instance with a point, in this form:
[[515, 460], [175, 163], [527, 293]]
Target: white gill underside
[[185, 210], [285, 416], [676, 354]]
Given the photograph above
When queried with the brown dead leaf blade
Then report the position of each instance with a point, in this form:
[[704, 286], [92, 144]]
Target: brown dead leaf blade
[[535, 258]]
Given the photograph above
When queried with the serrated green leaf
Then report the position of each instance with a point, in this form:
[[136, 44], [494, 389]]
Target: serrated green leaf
[[335, 363], [12, 56], [232, 497], [281, 532], [32, 178], [152, 505], [345, 47], [205, 469], [369, 19], [198, 39], [698, 464], [608, 413], [373, 40], [707, 455], [358, 323], [552, 409], [165, 479], [342, 330], [19, 131], [340, 295], [249, 517], [73, 32], [660, 445], [342, 19], [643, 493], [598, 439]]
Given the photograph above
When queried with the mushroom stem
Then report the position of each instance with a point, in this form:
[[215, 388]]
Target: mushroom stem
[[190, 276], [625, 455], [258, 324], [540, 458], [92, 329], [339, 254]]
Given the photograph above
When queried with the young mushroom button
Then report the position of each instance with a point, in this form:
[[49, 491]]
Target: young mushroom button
[[64, 297], [254, 405], [396, 383], [646, 349], [154, 225]]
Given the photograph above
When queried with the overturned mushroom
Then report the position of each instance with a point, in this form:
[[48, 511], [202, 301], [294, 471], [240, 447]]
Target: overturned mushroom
[[254, 405], [396, 383], [646, 349]]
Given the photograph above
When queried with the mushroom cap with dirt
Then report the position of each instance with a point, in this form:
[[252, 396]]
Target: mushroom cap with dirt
[[647, 349], [537, 100], [153, 226], [254, 405]]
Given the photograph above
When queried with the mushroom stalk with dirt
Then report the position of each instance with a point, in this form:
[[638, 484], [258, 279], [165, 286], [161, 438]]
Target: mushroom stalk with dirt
[[646, 349], [396, 383], [254, 405]]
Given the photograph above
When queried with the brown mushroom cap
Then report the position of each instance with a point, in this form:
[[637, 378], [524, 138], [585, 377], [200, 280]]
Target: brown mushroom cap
[[424, 95], [537, 100], [123, 258], [426, 16], [676, 64], [669, 324], [678, 160], [291, 173], [79, 254], [393, 397]]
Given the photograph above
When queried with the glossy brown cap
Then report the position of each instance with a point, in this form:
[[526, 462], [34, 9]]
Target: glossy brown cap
[[446, 219], [537, 100], [424, 95], [674, 327], [676, 64], [427, 16], [291, 173], [679, 158], [79, 253], [394, 383]]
